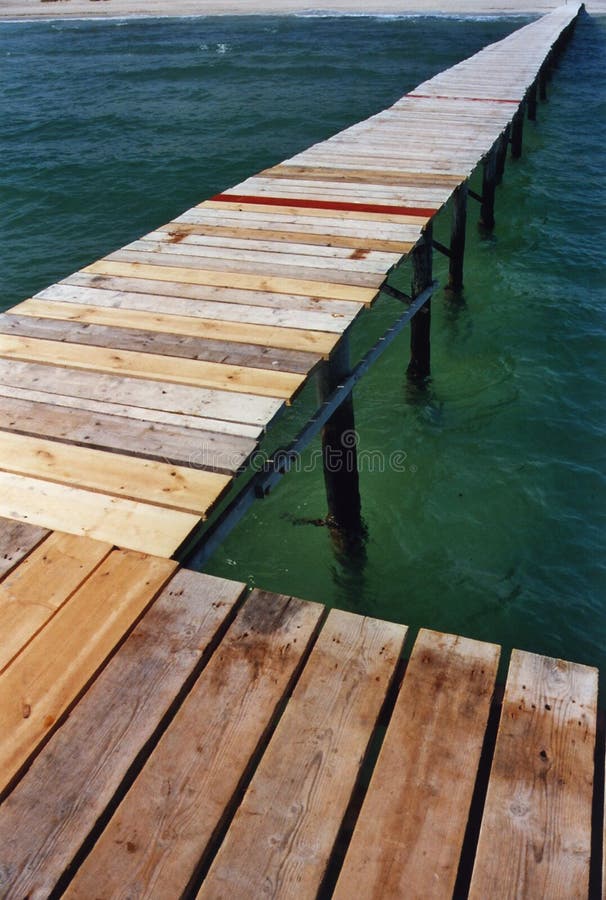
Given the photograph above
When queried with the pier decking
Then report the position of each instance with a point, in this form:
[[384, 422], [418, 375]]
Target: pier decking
[[258, 745], [134, 391]]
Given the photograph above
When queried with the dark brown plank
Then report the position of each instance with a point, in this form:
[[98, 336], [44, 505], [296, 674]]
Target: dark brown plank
[[49, 815]]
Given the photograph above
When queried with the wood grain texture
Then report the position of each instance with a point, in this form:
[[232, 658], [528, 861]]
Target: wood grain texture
[[17, 539], [188, 782], [139, 396], [160, 342], [43, 683], [45, 820], [170, 370], [31, 595], [177, 487], [175, 446], [535, 838], [116, 520], [276, 284], [281, 837], [407, 841]]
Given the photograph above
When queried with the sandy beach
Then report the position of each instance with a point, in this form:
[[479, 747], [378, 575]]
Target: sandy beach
[[47, 9]]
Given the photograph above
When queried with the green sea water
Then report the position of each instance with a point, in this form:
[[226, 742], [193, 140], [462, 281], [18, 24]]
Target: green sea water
[[491, 522]]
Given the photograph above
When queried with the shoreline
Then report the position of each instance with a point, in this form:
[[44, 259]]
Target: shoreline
[[41, 10]]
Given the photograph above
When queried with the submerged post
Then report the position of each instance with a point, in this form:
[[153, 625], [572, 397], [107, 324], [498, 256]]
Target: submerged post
[[457, 238], [501, 155], [517, 130], [420, 324], [531, 101], [339, 446], [489, 183]]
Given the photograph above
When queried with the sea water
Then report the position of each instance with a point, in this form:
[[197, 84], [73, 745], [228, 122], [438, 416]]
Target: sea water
[[483, 495]]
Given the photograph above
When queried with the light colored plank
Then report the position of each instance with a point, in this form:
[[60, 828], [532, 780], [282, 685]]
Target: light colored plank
[[45, 820], [140, 398], [125, 523], [45, 580], [535, 838], [298, 796], [42, 684], [273, 284], [408, 837], [154, 841], [279, 385], [404, 218], [17, 539], [243, 332], [176, 487]]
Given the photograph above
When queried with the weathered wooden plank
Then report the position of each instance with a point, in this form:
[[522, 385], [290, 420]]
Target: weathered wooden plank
[[317, 342], [184, 447], [535, 838], [177, 487], [224, 295], [274, 284], [362, 176], [408, 838], [298, 796], [189, 780], [45, 820], [158, 342], [294, 211], [44, 581], [171, 370], [17, 539], [42, 684], [307, 319], [125, 523], [140, 398]]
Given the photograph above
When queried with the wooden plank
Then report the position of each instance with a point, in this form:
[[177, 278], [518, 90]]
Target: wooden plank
[[173, 420], [159, 342], [275, 284], [42, 684], [139, 398], [535, 838], [175, 229], [189, 781], [17, 539], [176, 487], [180, 290], [361, 176], [278, 385], [408, 838], [307, 319], [244, 332], [298, 796], [181, 447], [45, 820], [45, 580], [125, 523], [405, 219]]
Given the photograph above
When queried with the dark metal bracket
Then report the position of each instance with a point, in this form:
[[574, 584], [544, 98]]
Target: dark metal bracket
[[441, 248]]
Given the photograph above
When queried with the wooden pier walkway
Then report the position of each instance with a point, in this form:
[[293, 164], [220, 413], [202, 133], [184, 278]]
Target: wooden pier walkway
[[190, 739], [134, 391]]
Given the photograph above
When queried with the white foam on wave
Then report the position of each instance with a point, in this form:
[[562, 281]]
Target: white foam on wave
[[462, 17]]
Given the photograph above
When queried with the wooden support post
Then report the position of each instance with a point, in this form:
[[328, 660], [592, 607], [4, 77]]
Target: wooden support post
[[501, 155], [457, 238], [531, 102], [420, 324], [543, 75], [517, 131], [339, 447], [489, 183]]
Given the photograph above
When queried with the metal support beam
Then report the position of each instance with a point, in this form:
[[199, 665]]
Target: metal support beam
[[339, 446], [457, 238], [419, 367], [267, 472]]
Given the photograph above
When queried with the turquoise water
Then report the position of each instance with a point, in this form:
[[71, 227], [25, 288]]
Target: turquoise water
[[492, 523]]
